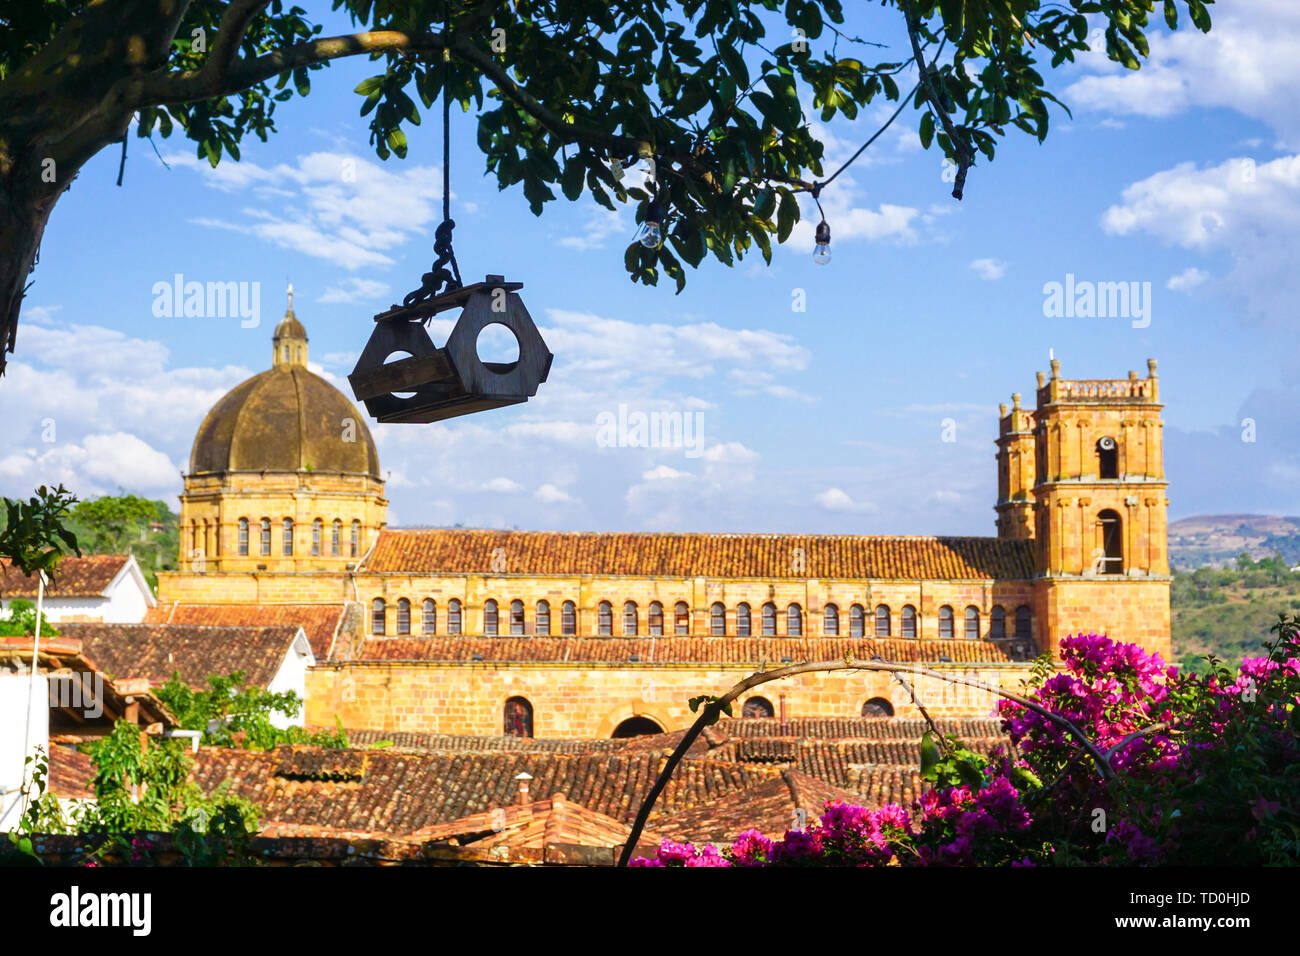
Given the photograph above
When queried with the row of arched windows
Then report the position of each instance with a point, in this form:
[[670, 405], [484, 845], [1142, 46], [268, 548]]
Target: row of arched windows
[[333, 545], [517, 716], [882, 620]]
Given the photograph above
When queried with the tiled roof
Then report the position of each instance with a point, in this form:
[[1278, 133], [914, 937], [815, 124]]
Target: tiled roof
[[401, 792], [155, 651], [86, 576], [664, 650], [460, 551], [878, 784], [534, 826], [769, 807], [70, 775], [320, 622]]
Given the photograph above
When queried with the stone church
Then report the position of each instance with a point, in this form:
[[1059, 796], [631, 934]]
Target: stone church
[[591, 634]]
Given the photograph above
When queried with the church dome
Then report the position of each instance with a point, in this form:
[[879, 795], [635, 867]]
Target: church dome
[[285, 419]]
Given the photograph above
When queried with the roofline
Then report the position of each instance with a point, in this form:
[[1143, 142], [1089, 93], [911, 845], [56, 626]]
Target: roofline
[[134, 567]]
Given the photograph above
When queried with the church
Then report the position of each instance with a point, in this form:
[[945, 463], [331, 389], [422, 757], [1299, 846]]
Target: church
[[595, 634]]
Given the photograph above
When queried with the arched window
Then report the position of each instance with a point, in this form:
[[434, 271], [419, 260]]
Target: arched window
[[518, 718], [972, 623], [856, 622], [630, 618], [377, 616], [453, 616], [656, 619], [516, 617], [356, 537], [1024, 624], [718, 619], [636, 727], [403, 616], [1112, 542], [742, 620], [998, 623], [243, 537], [286, 542], [336, 538], [604, 619], [429, 617], [831, 621], [909, 621], [1107, 458], [265, 536], [681, 618], [769, 619], [882, 620], [794, 621], [489, 616], [757, 707], [945, 623], [877, 707], [542, 618], [317, 531], [568, 618]]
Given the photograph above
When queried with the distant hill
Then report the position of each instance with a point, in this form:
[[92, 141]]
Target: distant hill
[[1217, 540]]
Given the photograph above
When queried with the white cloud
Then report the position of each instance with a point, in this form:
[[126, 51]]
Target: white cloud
[[663, 473], [1248, 211], [836, 499], [333, 206], [1248, 62], [989, 268], [356, 291], [730, 453], [1187, 280], [550, 495], [503, 485]]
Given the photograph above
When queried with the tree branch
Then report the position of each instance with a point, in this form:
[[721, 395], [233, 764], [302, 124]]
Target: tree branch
[[965, 155], [230, 33], [713, 709]]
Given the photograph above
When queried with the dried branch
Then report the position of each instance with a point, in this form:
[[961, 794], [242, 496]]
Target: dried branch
[[709, 715], [962, 149]]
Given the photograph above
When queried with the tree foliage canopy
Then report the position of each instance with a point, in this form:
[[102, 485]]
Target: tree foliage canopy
[[713, 90]]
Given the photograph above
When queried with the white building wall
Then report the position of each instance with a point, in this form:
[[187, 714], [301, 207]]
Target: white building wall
[[292, 675], [14, 690]]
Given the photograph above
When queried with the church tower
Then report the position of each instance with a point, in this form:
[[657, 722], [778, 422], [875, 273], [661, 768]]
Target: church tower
[[1099, 507]]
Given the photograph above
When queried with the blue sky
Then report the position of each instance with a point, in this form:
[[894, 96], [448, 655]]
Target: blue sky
[[1185, 175]]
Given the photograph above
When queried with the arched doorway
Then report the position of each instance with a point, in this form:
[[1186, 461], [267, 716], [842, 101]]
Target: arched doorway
[[636, 727], [877, 707]]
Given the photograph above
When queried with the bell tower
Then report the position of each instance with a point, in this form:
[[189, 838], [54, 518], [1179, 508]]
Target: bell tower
[[1016, 464], [1099, 510], [289, 341]]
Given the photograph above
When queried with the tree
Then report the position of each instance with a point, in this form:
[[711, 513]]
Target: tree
[[114, 522], [231, 712], [711, 90], [34, 537]]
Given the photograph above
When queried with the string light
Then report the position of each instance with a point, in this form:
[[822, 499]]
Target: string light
[[652, 231], [822, 250]]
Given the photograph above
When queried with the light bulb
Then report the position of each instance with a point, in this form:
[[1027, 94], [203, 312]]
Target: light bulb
[[652, 233], [822, 250]]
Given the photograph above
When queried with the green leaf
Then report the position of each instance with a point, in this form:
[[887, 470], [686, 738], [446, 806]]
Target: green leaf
[[765, 203], [929, 753], [369, 85], [1200, 15], [786, 216], [927, 129], [397, 142], [1171, 14], [788, 116], [571, 181]]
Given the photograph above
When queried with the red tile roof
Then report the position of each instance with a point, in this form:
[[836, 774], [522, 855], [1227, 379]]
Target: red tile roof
[[460, 551], [320, 622], [87, 576], [156, 651], [664, 650], [769, 807], [402, 792]]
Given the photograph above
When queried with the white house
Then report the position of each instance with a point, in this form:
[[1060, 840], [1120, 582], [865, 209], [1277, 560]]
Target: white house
[[101, 588]]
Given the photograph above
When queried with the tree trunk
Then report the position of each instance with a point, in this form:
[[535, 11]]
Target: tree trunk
[[57, 111]]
